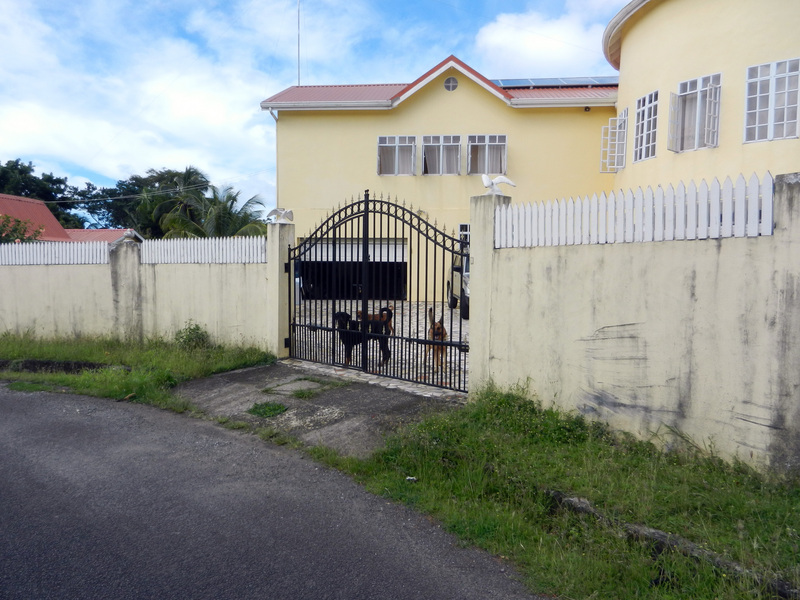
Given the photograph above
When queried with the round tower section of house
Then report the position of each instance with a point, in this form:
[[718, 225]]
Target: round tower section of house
[[706, 89]]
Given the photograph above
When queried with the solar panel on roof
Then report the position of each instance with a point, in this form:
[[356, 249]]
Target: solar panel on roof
[[556, 81]]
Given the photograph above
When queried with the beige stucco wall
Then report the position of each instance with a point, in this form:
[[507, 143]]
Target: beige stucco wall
[[669, 41], [56, 300], [699, 336], [238, 304], [325, 158]]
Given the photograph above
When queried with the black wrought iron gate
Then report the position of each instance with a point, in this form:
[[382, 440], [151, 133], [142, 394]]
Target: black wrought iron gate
[[378, 288]]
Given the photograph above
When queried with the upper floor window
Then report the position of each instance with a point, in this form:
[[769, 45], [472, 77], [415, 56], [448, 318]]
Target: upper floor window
[[771, 101], [441, 154], [644, 140], [487, 154], [396, 154], [694, 115], [614, 144]]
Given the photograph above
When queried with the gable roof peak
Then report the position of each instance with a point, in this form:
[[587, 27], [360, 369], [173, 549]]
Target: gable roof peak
[[451, 62]]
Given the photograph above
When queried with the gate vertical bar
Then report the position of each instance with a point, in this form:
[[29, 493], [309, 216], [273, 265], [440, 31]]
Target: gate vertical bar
[[365, 284]]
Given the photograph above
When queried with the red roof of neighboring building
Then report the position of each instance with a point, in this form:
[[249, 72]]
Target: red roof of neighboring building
[[35, 211], [517, 93], [98, 235]]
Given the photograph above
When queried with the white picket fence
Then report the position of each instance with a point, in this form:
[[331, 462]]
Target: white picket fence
[[229, 250], [54, 253], [182, 251], [734, 209]]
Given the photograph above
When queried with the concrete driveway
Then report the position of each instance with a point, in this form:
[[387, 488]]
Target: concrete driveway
[[103, 499]]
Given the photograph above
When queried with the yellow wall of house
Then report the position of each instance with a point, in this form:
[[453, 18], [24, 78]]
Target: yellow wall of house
[[328, 157], [670, 41]]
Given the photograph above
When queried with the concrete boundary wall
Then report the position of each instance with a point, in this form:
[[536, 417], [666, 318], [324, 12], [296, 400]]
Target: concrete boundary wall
[[238, 303], [698, 336]]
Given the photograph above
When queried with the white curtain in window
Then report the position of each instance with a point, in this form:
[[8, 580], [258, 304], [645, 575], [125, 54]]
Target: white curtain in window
[[451, 160], [405, 160], [386, 160], [688, 125], [496, 155], [430, 156]]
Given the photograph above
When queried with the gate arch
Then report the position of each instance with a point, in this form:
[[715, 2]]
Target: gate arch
[[364, 286]]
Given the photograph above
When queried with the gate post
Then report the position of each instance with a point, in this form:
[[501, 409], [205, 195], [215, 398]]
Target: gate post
[[279, 237], [481, 249]]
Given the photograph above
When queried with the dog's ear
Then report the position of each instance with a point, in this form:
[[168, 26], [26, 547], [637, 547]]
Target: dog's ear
[[441, 321], [430, 316]]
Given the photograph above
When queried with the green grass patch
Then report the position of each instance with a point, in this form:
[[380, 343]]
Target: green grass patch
[[26, 386], [266, 410], [141, 372], [486, 472]]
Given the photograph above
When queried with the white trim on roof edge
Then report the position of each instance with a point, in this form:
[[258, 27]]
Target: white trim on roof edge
[[614, 30], [562, 102], [336, 105]]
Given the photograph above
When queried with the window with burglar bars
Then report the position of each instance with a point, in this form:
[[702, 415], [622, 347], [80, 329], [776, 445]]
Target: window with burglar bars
[[396, 154], [441, 155], [487, 154], [644, 141], [772, 101], [694, 115], [614, 144]]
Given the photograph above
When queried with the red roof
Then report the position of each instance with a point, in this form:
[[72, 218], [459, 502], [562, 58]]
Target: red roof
[[35, 211], [97, 235], [338, 93], [388, 95]]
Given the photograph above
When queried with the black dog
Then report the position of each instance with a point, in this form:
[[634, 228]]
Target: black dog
[[351, 334]]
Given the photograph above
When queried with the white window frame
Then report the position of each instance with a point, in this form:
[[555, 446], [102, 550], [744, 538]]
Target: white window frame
[[644, 139], [397, 154], [464, 235], [694, 114], [441, 155], [771, 101], [480, 151], [614, 143]]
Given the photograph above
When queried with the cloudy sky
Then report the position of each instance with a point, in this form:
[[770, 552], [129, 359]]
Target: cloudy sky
[[98, 90]]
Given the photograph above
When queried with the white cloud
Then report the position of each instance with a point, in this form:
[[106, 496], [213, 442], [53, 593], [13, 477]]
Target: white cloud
[[116, 87], [535, 45]]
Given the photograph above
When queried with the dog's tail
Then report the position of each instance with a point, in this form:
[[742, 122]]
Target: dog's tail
[[387, 312]]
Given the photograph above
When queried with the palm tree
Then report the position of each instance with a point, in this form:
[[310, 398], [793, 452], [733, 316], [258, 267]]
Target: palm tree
[[217, 215], [183, 189]]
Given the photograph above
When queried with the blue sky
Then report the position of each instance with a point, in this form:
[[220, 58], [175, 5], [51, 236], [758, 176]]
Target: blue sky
[[99, 90]]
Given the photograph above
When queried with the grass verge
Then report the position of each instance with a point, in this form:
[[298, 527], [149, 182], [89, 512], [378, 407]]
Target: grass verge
[[140, 372], [497, 474]]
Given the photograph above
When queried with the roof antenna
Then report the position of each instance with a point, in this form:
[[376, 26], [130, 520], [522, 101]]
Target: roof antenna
[[298, 43]]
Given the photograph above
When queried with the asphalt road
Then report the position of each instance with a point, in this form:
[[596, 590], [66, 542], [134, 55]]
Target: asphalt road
[[103, 499]]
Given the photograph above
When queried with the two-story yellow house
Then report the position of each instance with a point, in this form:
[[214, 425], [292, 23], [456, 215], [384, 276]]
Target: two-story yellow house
[[427, 143], [707, 88]]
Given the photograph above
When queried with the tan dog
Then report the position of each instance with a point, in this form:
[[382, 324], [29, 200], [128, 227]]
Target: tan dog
[[385, 315], [437, 333]]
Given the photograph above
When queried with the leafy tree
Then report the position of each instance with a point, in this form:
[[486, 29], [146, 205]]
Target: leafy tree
[[18, 179], [16, 230]]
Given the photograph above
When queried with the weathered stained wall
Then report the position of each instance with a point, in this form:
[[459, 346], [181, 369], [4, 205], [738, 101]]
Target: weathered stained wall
[[238, 304], [699, 336]]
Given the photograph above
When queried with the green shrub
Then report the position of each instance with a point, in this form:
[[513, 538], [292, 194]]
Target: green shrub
[[192, 337]]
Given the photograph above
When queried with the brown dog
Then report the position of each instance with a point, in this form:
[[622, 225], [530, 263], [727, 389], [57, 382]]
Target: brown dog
[[437, 333], [385, 315]]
